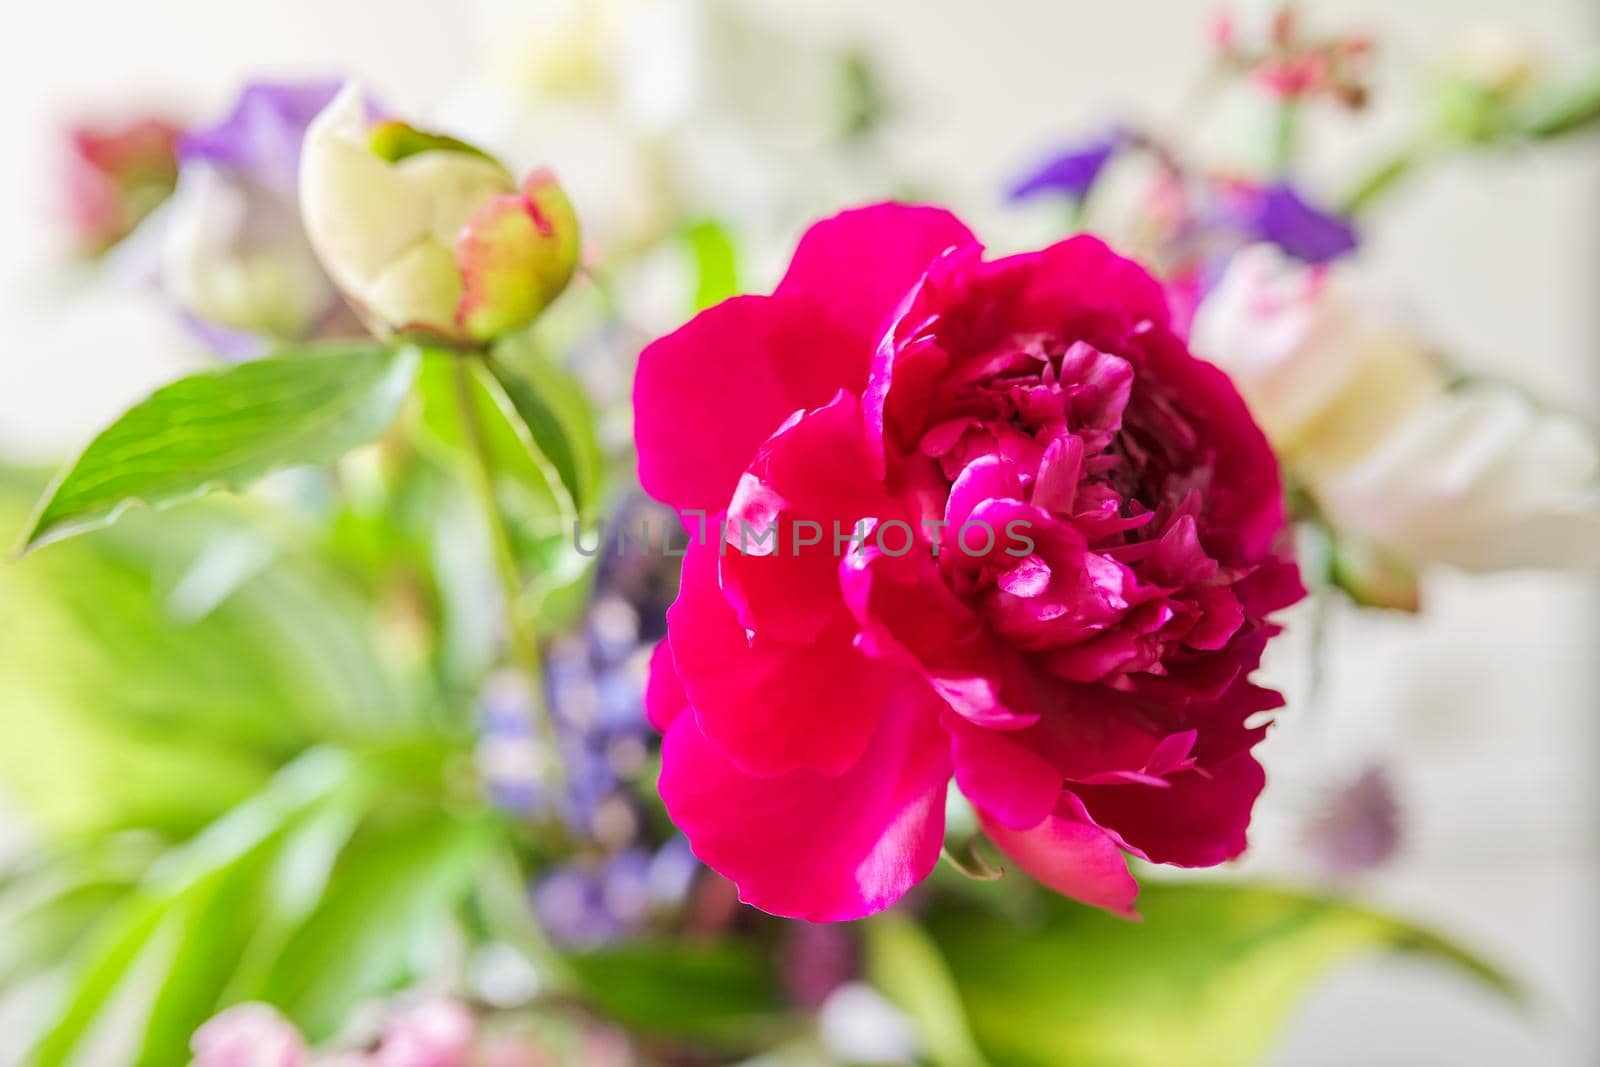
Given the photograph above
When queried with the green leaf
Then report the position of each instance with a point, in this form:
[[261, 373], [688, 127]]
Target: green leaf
[[42, 925], [219, 918], [720, 991], [126, 709], [526, 485], [716, 262], [198, 896], [244, 886], [388, 904], [295, 789], [210, 926], [1207, 980], [227, 428], [117, 945], [526, 482], [301, 871], [557, 413]]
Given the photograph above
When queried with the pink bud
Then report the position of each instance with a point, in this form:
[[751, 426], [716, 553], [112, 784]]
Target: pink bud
[[249, 1035], [435, 1033], [514, 1050], [116, 175], [1222, 29], [516, 254]]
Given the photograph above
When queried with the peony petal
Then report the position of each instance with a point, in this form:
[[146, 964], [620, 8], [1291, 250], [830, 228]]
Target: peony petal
[[811, 846], [791, 518], [516, 254], [1083, 273], [707, 395], [860, 264], [663, 693], [1244, 507], [455, 184], [1073, 856], [1003, 778], [985, 478], [772, 705], [816, 466], [418, 290], [1089, 734], [908, 616], [360, 212], [793, 599], [1198, 820]]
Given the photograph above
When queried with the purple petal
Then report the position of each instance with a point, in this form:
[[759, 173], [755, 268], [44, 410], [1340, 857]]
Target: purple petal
[[1304, 232], [1071, 172], [261, 136], [1360, 828], [230, 345]]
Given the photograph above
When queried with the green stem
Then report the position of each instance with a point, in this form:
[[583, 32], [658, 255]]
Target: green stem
[[970, 862], [1286, 136], [521, 640], [1380, 180]]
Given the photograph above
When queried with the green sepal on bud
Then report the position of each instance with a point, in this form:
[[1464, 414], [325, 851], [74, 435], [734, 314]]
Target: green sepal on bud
[[393, 140]]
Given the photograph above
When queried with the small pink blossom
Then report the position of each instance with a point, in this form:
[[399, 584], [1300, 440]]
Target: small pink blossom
[[1295, 76], [249, 1035], [434, 1033], [513, 1050], [116, 175]]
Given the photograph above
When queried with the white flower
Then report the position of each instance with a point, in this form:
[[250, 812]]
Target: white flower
[[1363, 418], [1493, 57], [1482, 479], [1325, 379], [233, 253]]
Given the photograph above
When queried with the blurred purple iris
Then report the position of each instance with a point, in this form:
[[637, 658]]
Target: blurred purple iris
[[1278, 214], [1359, 828], [1071, 172], [594, 686], [261, 136], [592, 902]]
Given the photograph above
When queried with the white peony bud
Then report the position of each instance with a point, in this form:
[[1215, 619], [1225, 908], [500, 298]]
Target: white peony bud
[[425, 234]]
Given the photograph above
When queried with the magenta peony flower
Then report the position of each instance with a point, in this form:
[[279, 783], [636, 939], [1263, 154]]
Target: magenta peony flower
[[987, 519]]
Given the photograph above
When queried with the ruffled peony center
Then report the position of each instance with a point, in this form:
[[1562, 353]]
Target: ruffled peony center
[[1077, 495]]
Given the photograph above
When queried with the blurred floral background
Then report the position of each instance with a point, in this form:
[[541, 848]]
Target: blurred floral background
[[250, 685]]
